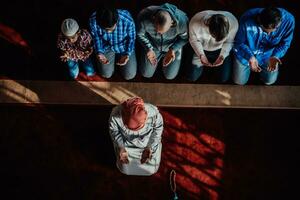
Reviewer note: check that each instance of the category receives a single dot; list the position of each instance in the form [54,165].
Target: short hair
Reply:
[269,17]
[107,17]
[160,18]
[218,26]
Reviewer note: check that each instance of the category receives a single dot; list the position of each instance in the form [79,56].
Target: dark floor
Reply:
[64,152]
[28,31]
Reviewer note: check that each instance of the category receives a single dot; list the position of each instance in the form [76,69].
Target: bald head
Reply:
[162,21]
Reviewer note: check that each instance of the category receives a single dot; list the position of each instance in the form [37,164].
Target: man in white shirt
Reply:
[212,35]
[136,130]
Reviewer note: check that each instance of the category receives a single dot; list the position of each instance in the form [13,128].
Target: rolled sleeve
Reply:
[131,38]
[114,132]
[194,40]
[240,46]
[98,43]
[285,42]
[156,135]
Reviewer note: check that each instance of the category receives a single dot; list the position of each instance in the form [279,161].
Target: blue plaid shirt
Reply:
[251,40]
[121,40]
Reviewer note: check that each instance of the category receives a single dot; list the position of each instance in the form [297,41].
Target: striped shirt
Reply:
[121,40]
[79,50]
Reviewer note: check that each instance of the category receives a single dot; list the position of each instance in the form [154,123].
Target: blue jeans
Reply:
[241,73]
[74,67]
[170,72]
[128,71]
[222,72]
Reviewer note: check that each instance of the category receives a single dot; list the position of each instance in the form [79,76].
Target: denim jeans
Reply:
[241,73]
[222,72]
[74,67]
[128,71]
[170,72]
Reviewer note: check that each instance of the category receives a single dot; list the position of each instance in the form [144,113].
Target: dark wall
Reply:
[39,22]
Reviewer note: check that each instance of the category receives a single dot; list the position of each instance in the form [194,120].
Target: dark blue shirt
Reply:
[251,40]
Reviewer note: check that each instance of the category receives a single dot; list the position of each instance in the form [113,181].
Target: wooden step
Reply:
[160,94]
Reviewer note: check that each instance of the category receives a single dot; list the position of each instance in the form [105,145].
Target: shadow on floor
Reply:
[63,152]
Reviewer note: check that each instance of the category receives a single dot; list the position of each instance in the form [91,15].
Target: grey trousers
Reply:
[128,71]
[170,72]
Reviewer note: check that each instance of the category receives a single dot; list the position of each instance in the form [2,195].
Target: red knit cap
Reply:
[134,114]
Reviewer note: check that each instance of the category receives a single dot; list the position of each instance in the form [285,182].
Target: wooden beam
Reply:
[160,94]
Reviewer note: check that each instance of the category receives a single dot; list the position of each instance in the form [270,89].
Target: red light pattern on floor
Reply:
[11,35]
[196,156]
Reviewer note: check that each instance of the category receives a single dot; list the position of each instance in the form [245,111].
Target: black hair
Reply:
[218,26]
[269,17]
[107,17]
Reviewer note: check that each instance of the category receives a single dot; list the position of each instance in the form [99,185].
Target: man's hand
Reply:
[205,61]
[219,61]
[254,64]
[152,57]
[102,59]
[88,52]
[64,57]
[123,60]
[123,156]
[273,64]
[169,57]
[146,155]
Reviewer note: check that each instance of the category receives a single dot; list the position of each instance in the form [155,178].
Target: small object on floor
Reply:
[173,183]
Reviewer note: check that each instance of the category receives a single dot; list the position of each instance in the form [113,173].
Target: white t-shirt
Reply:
[201,39]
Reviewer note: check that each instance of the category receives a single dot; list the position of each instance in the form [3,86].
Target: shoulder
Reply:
[249,17]
[287,16]
[231,18]
[93,17]
[84,32]
[151,110]
[182,15]
[61,40]
[183,20]
[250,14]
[200,15]
[147,13]
[228,15]
[116,112]
[60,37]
[125,16]
[93,21]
